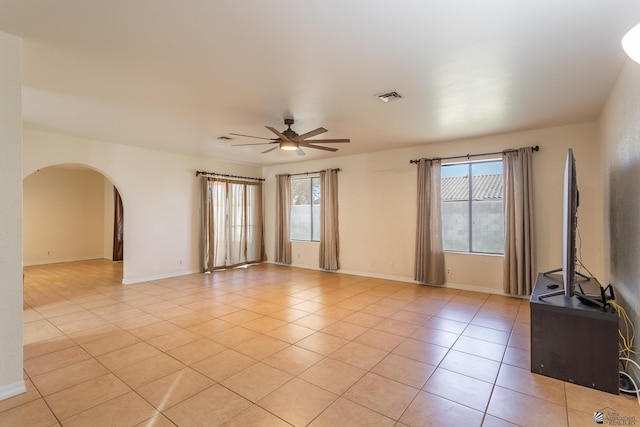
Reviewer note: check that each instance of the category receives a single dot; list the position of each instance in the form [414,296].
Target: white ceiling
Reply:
[176,74]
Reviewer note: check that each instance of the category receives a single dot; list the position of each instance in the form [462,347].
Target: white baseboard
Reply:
[477,289]
[351,272]
[410,280]
[60,260]
[157,277]
[12,390]
[405,279]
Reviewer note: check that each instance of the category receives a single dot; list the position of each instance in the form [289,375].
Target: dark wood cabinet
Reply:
[573,341]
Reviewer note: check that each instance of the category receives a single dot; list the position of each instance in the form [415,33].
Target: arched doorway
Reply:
[69,216]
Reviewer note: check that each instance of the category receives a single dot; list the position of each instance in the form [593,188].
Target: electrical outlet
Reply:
[448,271]
[390,266]
[180,262]
[49,253]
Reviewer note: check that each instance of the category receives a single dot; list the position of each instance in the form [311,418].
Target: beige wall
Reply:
[377,194]
[377,203]
[63,215]
[620,128]
[160,194]
[11,374]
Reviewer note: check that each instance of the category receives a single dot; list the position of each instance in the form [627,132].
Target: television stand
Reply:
[561,291]
[573,341]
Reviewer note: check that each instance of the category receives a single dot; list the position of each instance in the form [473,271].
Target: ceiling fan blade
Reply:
[270,149]
[326,141]
[251,136]
[319,147]
[310,134]
[277,132]
[257,143]
[299,152]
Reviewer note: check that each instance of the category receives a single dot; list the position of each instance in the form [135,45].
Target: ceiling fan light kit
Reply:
[289,145]
[289,140]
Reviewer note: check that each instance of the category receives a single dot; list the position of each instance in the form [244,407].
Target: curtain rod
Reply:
[309,173]
[213,174]
[468,156]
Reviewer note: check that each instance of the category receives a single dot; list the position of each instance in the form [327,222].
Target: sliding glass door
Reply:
[232,222]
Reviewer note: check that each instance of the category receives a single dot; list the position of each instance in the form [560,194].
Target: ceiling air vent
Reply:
[389,96]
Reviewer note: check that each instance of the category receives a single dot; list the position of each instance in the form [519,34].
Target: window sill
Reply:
[474,253]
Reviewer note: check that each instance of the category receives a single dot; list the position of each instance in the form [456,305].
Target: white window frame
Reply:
[470,201]
[310,179]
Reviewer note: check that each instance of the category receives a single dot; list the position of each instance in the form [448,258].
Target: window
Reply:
[305,209]
[472,207]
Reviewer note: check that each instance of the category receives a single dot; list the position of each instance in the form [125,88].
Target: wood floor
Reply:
[276,346]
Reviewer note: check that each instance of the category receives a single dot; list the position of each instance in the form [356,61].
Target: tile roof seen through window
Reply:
[484,187]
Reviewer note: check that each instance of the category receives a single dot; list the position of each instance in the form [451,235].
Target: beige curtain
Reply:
[231,223]
[213,223]
[429,264]
[118,227]
[519,263]
[207,235]
[283,219]
[329,235]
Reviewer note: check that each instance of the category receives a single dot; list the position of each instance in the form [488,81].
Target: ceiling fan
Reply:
[289,140]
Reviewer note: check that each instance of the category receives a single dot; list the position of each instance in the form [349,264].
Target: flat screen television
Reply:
[570,203]
[569,224]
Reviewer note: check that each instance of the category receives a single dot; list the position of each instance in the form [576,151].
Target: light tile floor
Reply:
[276,346]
